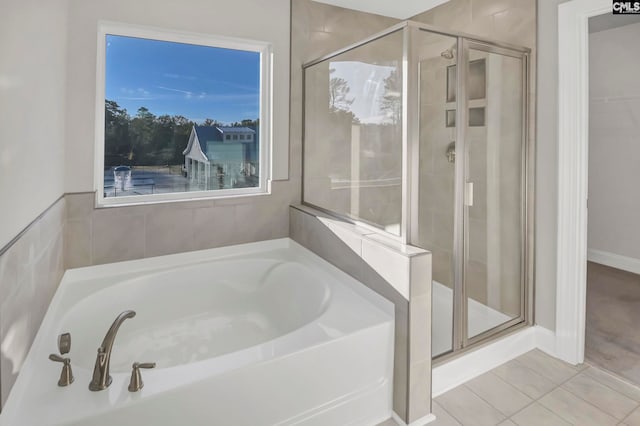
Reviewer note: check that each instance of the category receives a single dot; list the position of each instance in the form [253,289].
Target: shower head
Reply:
[450,53]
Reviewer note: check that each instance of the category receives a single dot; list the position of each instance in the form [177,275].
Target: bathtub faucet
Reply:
[101,378]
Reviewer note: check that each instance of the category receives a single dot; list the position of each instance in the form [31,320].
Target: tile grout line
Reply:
[490,404]
[487,402]
[600,409]
[446,411]
[629,415]
[544,394]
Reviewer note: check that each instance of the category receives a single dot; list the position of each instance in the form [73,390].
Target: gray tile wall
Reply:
[97,236]
[511,21]
[30,271]
[345,247]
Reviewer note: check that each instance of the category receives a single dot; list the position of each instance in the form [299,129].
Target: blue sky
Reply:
[182,79]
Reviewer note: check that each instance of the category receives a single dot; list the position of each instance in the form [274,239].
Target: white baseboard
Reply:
[546,341]
[466,367]
[420,422]
[460,370]
[614,260]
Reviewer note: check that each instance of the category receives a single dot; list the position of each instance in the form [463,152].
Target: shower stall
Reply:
[421,133]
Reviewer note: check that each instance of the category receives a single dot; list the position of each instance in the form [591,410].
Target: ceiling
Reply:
[399,9]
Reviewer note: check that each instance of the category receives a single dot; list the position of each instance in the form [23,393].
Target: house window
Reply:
[166,103]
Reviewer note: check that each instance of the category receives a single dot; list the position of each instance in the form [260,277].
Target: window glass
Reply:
[172,113]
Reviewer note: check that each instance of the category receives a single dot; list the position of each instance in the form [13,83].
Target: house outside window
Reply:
[170,125]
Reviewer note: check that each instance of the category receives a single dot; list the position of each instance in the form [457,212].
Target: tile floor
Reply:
[539,390]
[613,315]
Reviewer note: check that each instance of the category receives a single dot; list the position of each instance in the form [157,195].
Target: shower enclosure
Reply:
[421,133]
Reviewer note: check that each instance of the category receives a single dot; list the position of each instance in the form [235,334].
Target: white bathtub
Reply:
[257,334]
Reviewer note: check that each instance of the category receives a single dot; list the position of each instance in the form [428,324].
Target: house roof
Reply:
[236,130]
[206,134]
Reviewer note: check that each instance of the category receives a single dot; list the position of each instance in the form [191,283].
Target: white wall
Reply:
[33,40]
[614,141]
[267,21]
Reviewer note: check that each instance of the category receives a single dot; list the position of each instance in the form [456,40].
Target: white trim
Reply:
[266,109]
[617,261]
[420,422]
[546,340]
[468,366]
[573,143]
[471,365]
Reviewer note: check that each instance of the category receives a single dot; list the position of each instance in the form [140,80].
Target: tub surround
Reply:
[30,269]
[329,331]
[98,236]
[398,272]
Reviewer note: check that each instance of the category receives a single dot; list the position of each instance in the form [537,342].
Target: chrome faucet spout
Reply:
[101,378]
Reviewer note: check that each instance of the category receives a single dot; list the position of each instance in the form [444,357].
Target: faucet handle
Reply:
[66,376]
[64,343]
[144,365]
[136,383]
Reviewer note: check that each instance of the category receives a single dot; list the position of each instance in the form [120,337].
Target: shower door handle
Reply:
[468,194]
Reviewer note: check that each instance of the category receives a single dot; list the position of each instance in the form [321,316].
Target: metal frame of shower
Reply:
[461,342]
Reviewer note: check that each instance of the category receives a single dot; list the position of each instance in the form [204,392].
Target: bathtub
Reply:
[256,334]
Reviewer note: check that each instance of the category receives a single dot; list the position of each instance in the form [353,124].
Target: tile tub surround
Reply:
[30,271]
[536,389]
[106,235]
[400,273]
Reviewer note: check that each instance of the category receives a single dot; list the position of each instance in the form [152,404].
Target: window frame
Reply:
[265,49]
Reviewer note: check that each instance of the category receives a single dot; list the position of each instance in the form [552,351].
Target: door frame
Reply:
[573,157]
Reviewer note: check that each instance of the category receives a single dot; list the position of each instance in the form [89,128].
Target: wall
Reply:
[260,22]
[33,39]
[614,151]
[493,220]
[318,29]
[547,164]
[512,21]
[33,43]
[97,236]
[30,271]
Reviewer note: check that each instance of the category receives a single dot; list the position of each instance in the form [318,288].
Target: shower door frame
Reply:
[461,342]
[524,201]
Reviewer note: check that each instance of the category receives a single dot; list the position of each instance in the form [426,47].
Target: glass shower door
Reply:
[437,57]
[494,190]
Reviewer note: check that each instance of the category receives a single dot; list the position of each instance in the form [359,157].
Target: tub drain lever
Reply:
[136,378]
[66,376]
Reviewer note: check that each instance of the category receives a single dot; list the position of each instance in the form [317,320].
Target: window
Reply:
[170,107]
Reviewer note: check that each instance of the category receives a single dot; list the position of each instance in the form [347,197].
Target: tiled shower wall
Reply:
[510,21]
[30,270]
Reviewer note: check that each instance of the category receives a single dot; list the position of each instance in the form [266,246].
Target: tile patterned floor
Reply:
[538,390]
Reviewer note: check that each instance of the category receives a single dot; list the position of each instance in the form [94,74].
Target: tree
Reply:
[338,93]
[211,122]
[117,142]
[143,151]
[391,102]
